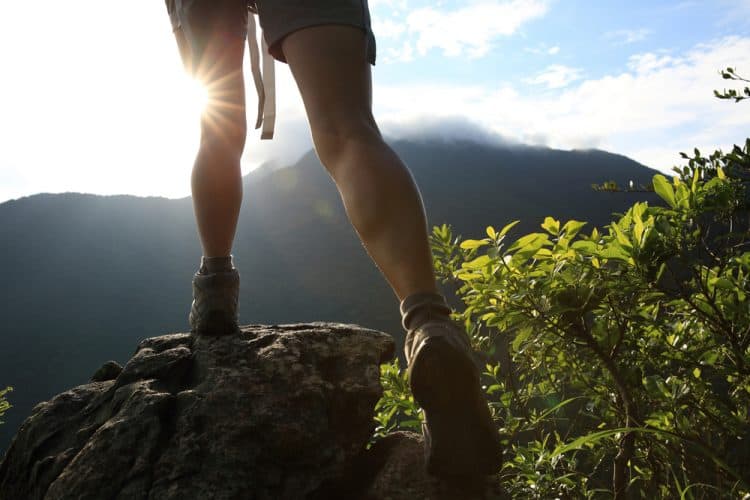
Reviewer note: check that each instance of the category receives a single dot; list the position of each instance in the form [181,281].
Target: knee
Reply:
[336,140]
[224,138]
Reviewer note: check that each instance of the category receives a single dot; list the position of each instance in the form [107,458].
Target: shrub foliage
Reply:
[617,358]
[4,404]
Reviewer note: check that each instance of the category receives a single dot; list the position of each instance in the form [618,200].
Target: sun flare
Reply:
[195,94]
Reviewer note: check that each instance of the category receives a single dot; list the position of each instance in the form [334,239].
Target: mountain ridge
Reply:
[269,167]
[87,275]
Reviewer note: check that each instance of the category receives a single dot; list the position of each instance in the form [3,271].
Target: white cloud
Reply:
[650,112]
[446,128]
[649,62]
[556,76]
[471,30]
[543,49]
[387,28]
[628,36]
[405,53]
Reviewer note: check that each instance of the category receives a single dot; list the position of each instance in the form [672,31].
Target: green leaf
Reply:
[638,210]
[615,251]
[583,441]
[638,231]
[472,244]
[664,189]
[586,246]
[468,276]
[551,225]
[520,338]
[621,236]
[545,413]
[710,357]
[508,227]
[696,178]
[572,227]
[491,232]
[721,283]
[477,263]
[682,196]
[529,241]
[543,253]
[494,388]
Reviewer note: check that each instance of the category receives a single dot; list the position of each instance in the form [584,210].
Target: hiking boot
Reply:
[215,303]
[460,436]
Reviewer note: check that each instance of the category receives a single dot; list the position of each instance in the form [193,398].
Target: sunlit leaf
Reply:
[477,263]
[551,225]
[472,244]
[572,227]
[664,189]
[508,227]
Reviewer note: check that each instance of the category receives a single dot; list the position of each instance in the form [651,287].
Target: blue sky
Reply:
[98,103]
[597,37]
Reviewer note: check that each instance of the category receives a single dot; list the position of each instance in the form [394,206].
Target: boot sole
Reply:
[460,436]
[216,324]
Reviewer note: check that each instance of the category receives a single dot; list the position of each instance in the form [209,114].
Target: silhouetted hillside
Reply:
[87,276]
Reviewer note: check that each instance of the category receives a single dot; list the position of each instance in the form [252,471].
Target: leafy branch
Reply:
[736,94]
[4,404]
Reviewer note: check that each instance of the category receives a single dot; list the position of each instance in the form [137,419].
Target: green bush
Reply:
[618,359]
[4,405]
[396,409]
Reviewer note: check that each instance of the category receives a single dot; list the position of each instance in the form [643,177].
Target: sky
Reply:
[93,97]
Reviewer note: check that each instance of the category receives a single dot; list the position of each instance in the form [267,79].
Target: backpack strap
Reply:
[265,83]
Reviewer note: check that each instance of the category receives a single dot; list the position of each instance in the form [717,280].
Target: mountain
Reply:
[87,276]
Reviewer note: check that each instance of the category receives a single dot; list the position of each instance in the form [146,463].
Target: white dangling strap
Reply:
[265,83]
[269,85]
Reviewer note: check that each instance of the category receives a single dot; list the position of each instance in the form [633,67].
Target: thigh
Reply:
[211,38]
[330,65]
[208,33]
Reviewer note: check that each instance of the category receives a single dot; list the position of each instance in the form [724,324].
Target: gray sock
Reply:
[211,265]
[422,307]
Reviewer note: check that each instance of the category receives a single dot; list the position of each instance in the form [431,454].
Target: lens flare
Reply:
[196,95]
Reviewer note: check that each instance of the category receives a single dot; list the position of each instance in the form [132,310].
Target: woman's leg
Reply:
[217,179]
[383,203]
[379,195]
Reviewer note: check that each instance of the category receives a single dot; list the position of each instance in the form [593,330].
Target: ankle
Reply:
[419,308]
[211,265]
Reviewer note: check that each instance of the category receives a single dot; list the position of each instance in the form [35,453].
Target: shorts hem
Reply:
[274,40]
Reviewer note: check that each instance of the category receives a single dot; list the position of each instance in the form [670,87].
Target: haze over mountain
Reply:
[87,276]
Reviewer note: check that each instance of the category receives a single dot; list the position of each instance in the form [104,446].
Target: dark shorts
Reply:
[195,22]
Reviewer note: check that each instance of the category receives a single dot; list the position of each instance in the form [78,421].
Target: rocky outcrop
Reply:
[276,412]
[393,469]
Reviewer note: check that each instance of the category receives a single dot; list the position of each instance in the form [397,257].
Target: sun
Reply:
[195,95]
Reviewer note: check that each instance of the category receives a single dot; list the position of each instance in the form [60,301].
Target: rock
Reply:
[275,412]
[108,371]
[397,465]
